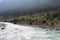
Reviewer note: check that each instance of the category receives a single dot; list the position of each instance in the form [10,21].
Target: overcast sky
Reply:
[8,4]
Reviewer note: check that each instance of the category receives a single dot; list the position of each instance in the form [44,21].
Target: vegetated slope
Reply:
[49,18]
[34,16]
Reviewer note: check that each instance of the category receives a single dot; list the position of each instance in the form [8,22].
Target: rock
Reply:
[57,29]
[2,28]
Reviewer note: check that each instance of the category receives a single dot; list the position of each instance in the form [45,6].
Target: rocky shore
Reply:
[56,27]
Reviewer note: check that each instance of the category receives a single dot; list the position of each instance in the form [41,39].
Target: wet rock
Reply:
[57,29]
[2,28]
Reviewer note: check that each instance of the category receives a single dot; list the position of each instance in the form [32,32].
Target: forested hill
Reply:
[26,11]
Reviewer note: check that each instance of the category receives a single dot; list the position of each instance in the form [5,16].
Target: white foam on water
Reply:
[19,32]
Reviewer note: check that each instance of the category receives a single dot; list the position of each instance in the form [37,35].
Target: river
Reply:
[19,32]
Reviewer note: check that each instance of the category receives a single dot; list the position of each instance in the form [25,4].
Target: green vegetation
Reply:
[49,18]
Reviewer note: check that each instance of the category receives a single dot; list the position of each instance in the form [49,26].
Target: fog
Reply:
[10,4]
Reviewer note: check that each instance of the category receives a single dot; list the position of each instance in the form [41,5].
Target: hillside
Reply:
[49,18]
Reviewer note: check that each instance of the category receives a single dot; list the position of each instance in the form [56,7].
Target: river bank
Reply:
[54,27]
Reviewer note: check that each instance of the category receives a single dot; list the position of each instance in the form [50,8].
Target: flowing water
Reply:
[19,32]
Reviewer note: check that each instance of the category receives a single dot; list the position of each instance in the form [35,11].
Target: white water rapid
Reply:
[18,32]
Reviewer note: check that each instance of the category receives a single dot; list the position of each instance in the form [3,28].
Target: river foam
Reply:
[19,32]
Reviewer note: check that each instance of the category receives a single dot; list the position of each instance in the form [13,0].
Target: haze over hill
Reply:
[16,8]
[10,4]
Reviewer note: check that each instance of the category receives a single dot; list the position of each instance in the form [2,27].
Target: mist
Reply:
[11,4]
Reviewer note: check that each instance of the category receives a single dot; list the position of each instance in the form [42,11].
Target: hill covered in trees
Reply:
[49,16]
[46,18]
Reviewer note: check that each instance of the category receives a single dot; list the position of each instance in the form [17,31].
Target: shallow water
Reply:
[19,32]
